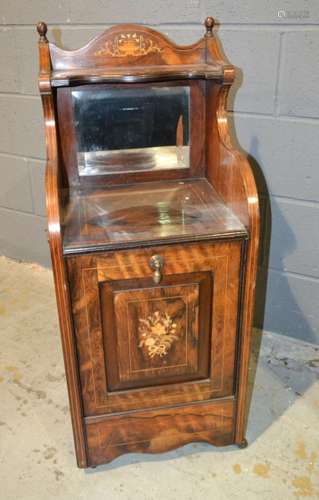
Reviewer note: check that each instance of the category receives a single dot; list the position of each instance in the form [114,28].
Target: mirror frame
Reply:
[68,140]
[132,130]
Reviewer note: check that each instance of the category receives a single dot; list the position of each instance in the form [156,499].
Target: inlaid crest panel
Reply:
[129,44]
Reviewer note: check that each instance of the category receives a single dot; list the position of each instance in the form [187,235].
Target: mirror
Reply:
[121,130]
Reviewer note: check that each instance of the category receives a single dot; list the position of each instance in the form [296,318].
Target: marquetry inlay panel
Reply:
[157,333]
[129,44]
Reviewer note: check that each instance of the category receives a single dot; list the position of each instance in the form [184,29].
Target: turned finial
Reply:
[42,30]
[209,24]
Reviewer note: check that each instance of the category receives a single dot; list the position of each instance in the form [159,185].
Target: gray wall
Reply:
[275,115]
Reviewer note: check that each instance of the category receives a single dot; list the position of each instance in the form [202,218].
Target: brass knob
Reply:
[156,263]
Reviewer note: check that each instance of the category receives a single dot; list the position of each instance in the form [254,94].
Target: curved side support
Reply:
[52,184]
[231,175]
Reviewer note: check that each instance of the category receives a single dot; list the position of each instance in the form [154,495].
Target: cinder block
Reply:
[75,37]
[263,11]
[184,34]
[6,140]
[21,123]
[299,82]
[26,40]
[295,237]
[9,64]
[30,12]
[287,152]
[15,185]
[37,173]
[255,84]
[292,306]
[23,236]
[129,11]
[27,49]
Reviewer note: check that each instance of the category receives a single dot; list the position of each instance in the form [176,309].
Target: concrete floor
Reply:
[36,448]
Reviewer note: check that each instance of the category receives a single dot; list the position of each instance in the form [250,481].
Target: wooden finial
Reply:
[209,24]
[42,30]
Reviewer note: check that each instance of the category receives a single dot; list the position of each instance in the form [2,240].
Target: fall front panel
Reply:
[143,344]
[156,333]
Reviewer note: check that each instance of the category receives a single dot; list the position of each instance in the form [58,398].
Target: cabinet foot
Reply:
[243,444]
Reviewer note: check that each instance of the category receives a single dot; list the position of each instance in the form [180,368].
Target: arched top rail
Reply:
[133,53]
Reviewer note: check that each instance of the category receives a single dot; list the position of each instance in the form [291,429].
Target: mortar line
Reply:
[281,117]
[23,157]
[278,74]
[20,94]
[190,24]
[16,210]
[31,187]
[297,201]
[294,274]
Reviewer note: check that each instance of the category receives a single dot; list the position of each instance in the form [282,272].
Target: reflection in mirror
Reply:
[131,129]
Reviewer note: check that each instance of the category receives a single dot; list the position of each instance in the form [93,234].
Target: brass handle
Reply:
[156,263]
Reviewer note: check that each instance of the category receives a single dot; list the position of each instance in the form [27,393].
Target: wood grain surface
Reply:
[146,214]
[155,431]
[89,274]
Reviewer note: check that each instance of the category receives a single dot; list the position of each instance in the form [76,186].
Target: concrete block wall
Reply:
[274,111]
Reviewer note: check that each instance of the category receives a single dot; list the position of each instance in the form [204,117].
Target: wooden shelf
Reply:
[146,214]
[137,74]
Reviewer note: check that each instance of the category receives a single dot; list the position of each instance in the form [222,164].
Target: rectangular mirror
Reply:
[121,130]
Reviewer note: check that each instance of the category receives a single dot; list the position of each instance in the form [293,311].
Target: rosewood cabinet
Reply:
[153,230]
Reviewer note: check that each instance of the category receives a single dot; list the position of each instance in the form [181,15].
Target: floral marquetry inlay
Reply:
[157,333]
[129,44]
